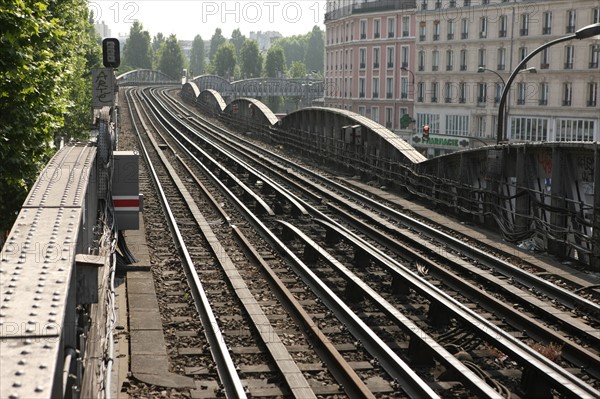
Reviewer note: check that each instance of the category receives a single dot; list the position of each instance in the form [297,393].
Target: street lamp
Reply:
[583,33]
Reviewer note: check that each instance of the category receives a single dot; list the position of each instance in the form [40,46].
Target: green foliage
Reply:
[46,49]
[197,56]
[157,41]
[251,59]
[315,52]
[137,51]
[275,62]
[294,47]
[298,70]
[225,61]
[215,42]
[170,60]
[237,39]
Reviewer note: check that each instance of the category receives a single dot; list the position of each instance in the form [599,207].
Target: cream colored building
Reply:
[466,49]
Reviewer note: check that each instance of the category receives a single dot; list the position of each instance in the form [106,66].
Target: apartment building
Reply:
[369,54]
[465,51]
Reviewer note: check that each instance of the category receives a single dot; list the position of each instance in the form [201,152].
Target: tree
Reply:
[215,41]
[197,56]
[170,59]
[137,53]
[157,41]
[238,40]
[251,59]
[315,58]
[294,47]
[275,62]
[43,56]
[225,60]
[298,69]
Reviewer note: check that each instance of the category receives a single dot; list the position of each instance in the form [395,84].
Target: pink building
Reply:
[370,49]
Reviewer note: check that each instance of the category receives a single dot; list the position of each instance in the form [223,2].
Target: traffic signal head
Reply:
[111,54]
[426,132]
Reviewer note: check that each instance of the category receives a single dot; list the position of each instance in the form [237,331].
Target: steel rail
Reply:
[450,361]
[562,379]
[412,384]
[220,352]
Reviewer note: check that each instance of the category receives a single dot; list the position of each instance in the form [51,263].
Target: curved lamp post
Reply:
[583,33]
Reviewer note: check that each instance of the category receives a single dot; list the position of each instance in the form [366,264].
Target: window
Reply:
[462,92]
[362,110]
[547,23]
[463,60]
[521,93]
[594,55]
[571,21]
[529,129]
[375,114]
[391,27]
[464,23]
[405,26]
[421,60]
[483,27]
[390,57]
[457,125]
[376,57]
[502,26]
[404,88]
[481,94]
[422,31]
[351,87]
[434,92]
[567,94]
[481,57]
[545,58]
[420,91]
[362,87]
[543,92]
[498,95]
[448,92]
[575,129]
[404,55]
[449,60]
[389,88]
[450,29]
[363,57]
[375,87]
[436,30]
[522,55]
[435,60]
[376,28]
[389,117]
[595,15]
[524,24]
[481,126]
[501,59]
[363,29]
[592,94]
[569,51]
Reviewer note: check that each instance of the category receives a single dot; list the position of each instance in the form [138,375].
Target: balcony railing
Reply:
[568,65]
[502,33]
[544,66]
[362,65]
[376,65]
[542,102]
[591,103]
[450,36]
[566,103]
[546,30]
[463,67]
[570,29]
[434,99]
[434,68]
[501,67]
[464,35]
[524,32]
[420,99]
[376,95]
[390,64]
[391,34]
[520,101]
[376,35]
[389,95]
[482,35]
[448,67]
[593,65]
[462,100]
[421,68]
[436,37]
[448,100]
[422,38]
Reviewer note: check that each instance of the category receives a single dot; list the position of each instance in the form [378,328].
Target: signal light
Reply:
[425,132]
[111,54]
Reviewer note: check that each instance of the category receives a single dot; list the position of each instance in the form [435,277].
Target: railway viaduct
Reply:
[53,258]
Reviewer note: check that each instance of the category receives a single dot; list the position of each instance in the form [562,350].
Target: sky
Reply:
[189,18]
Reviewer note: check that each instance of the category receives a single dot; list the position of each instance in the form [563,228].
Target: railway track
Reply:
[383,290]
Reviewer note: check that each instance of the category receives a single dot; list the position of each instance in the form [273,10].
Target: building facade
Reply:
[369,52]
[465,50]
